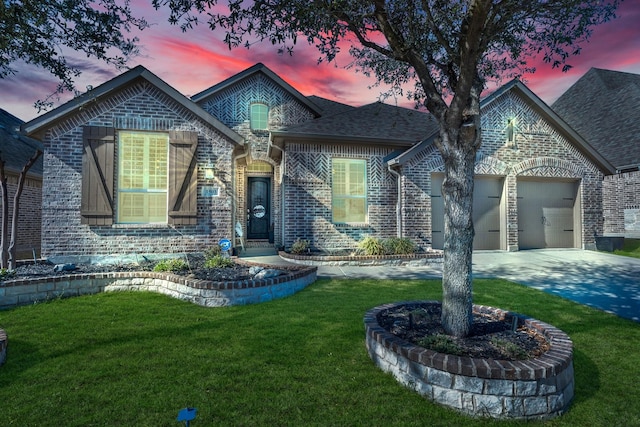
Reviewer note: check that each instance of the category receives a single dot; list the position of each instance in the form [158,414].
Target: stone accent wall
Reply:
[201,292]
[538,388]
[538,151]
[307,187]
[139,106]
[30,214]
[622,204]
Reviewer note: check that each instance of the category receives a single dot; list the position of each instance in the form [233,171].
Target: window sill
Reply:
[141,226]
[352,225]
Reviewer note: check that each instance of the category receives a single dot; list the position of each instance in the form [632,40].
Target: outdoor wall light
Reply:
[209,171]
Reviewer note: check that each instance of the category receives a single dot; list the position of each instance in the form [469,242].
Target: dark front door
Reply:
[259,208]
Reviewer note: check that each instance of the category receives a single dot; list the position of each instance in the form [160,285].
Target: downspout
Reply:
[282,189]
[234,219]
[399,201]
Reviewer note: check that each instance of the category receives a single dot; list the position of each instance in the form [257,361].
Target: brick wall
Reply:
[307,187]
[621,203]
[539,151]
[30,215]
[139,106]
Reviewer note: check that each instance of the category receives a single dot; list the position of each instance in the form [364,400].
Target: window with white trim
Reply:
[259,116]
[349,191]
[142,177]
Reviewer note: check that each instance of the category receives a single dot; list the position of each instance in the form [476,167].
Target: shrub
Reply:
[219,261]
[5,273]
[441,343]
[300,246]
[371,246]
[510,349]
[399,246]
[212,252]
[173,264]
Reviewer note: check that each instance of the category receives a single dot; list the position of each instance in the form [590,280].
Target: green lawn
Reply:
[136,359]
[631,248]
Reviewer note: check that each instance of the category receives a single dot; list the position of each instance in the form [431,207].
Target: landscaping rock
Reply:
[268,273]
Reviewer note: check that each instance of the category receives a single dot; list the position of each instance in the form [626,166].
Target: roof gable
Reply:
[39,125]
[259,68]
[533,101]
[603,106]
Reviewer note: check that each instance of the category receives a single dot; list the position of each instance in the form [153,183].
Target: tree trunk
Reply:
[4,225]
[16,208]
[458,148]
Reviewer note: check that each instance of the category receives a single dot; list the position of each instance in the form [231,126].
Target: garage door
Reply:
[487,197]
[546,214]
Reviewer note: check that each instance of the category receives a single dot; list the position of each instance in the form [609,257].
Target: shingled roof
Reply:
[15,148]
[373,123]
[603,106]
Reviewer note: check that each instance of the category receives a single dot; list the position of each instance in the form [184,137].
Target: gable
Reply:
[230,100]
[115,92]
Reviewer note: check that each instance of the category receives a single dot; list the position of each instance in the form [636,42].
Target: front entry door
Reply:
[259,207]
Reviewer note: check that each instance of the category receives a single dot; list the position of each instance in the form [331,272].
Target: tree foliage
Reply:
[41,32]
[448,50]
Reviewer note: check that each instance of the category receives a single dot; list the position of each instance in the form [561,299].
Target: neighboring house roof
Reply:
[538,105]
[16,149]
[258,68]
[376,123]
[38,126]
[604,107]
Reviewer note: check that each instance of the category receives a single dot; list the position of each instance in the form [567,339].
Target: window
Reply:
[259,116]
[349,188]
[142,177]
[154,171]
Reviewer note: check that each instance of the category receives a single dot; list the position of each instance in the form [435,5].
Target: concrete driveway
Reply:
[607,282]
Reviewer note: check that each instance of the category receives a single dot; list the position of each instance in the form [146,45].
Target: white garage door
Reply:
[546,214]
[487,198]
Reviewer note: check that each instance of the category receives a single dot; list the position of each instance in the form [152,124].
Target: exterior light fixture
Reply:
[209,171]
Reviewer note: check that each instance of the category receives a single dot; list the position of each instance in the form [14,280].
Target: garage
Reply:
[487,212]
[548,214]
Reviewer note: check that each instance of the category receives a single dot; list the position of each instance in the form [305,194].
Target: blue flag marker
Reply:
[187,415]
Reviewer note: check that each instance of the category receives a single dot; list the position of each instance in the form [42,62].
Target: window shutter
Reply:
[97,175]
[183,183]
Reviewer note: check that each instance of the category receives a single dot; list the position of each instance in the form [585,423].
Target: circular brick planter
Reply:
[3,346]
[539,388]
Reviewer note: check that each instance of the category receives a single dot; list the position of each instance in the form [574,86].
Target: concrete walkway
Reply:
[604,281]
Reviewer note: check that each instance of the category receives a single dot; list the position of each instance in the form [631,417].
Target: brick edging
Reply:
[538,388]
[202,292]
[3,346]
[360,259]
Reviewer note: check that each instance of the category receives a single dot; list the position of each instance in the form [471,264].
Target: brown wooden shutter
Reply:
[97,175]
[183,182]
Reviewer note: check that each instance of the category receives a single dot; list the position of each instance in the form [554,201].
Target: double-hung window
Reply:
[142,177]
[349,191]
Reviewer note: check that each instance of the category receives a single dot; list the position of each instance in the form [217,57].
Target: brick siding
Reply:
[539,151]
[139,106]
[621,195]
[30,214]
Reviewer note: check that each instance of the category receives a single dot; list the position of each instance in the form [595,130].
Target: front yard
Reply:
[136,359]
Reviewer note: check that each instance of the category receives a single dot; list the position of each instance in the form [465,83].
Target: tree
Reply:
[449,48]
[39,32]
[8,248]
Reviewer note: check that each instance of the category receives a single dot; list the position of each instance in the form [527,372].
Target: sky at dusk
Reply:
[198,59]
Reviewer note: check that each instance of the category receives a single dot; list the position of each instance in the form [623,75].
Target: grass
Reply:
[136,359]
[631,248]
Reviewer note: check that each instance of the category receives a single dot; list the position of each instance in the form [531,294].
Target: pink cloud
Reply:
[198,59]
